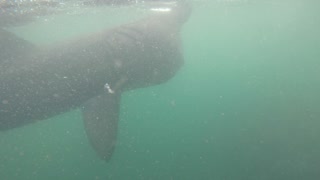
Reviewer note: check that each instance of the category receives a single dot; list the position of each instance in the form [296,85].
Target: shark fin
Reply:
[100,115]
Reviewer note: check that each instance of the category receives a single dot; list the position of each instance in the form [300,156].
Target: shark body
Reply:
[89,72]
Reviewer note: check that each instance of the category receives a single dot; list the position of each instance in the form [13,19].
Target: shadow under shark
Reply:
[89,72]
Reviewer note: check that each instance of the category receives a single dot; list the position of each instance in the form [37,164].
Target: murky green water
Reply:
[245,106]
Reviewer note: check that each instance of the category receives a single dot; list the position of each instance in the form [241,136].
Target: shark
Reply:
[89,72]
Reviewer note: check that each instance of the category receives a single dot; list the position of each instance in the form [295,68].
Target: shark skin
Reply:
[88,72]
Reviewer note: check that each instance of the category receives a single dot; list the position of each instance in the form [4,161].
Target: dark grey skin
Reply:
[89,72]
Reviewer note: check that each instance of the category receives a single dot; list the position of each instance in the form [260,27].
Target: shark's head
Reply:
[158,53]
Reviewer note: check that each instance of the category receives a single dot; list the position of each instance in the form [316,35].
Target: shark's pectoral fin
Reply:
[100,115]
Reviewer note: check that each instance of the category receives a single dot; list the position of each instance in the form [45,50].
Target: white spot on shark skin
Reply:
[107,86]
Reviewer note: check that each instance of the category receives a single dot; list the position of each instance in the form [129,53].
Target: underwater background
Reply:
[245,105]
